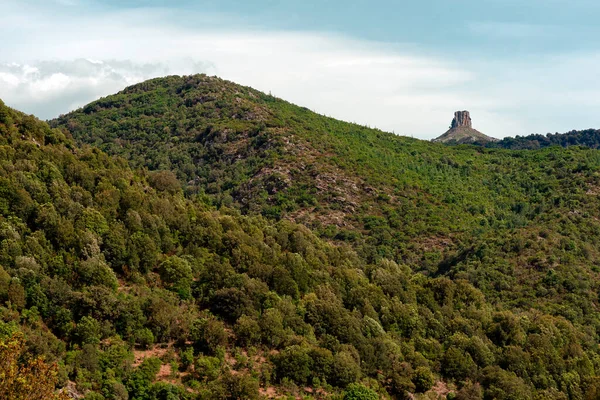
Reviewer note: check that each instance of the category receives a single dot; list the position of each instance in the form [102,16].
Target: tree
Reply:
[345,370]
[88,330]
[164,181]
[458,364]
[294,363]
[176,273]
[247,331]
[240,386]
[207,368]
[144,338]
[32,379]
[423,379]
[356,391]
[208,335]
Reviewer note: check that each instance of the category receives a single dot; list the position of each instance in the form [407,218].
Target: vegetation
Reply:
[28,379]
[586,138]
[202,240]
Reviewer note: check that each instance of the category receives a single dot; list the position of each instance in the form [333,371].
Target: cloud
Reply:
[346,78]
[61,62]
[49,88]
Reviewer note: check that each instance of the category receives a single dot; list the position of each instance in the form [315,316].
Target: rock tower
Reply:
[461,131]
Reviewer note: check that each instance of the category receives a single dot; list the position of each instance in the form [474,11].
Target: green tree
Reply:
[345,369]
[88,330]
[356,391]
[294,363]
[176,273]
[423,379]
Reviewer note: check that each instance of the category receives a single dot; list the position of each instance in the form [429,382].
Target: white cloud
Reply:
[48,88]
[345,78]
[63,62]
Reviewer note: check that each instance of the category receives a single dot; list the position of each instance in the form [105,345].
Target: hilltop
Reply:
[427,205]
[190,238]
[461,132]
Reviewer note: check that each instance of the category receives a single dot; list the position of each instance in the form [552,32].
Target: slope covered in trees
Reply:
[294,251]
[587,138]
[521,226]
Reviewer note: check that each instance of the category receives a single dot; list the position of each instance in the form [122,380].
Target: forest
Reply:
[586,138]
[190,238]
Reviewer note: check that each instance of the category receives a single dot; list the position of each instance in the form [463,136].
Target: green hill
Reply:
[587,138]
[295,255]
[440,210]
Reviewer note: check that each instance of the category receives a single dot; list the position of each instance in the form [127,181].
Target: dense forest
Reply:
[189,238]
[587,138]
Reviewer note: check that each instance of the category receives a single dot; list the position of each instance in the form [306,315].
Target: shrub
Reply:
[356,391]
[345,369]
[423,379]
[88,331]
[176,273]
[207,368]
[144,338]
[247,331]
[294,363]
[33,379]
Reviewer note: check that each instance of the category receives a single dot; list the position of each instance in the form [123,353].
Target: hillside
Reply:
[587,138]
[137,292]
[440,210]
[296,254]
[464,135]
[461,132]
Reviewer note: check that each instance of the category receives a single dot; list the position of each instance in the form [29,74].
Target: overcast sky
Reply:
[519,66]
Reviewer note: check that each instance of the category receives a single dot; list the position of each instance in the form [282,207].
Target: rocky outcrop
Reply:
[461,118]
[462,132]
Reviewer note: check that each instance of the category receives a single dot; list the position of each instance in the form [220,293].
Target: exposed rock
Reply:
[461,118]
[462,132]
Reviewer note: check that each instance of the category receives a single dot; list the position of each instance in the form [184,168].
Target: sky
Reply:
[519,67]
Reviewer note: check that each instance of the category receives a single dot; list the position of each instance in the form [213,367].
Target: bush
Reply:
[207,368]
[187,358]
[94,396]
[208,335]
[88,331]
[164,181]
[356,391]
[176,273]
[240,386]
[294,363]
[345,369]
[423,379]
[503,385]
[144,338]
[32,380]
[247,331]
[458,364]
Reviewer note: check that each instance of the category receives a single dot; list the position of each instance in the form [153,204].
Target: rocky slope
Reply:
[461,132]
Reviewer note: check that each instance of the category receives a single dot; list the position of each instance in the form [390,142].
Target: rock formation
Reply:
[461,118]
[462,132]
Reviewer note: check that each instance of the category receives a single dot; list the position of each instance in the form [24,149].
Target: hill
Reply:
[425,205]
[461,132]
[136,291]
[587,138]
[300,251]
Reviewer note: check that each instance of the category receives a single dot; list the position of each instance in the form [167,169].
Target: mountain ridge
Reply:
[350,184]
[305,252]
